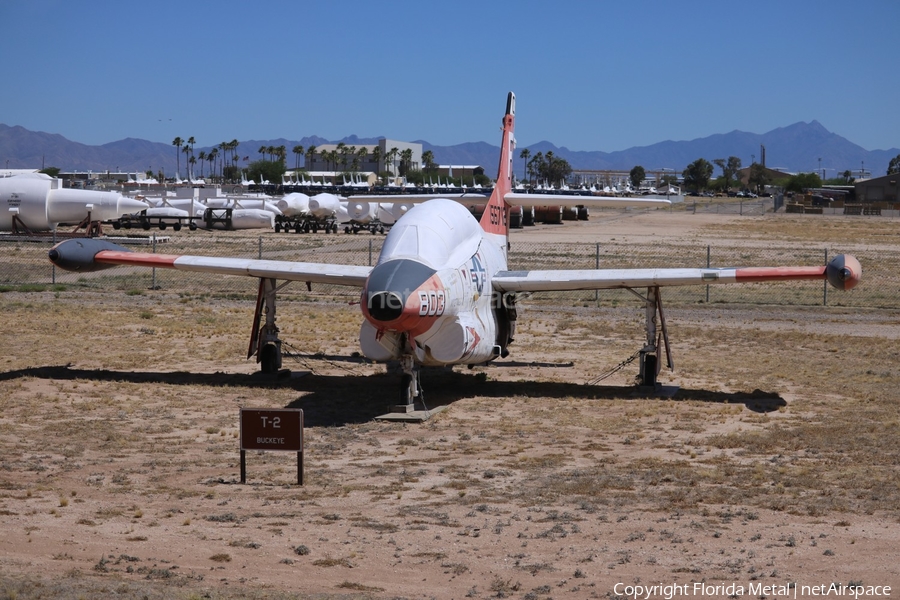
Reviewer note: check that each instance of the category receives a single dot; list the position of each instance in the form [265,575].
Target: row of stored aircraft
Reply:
[37,202]
[441,292]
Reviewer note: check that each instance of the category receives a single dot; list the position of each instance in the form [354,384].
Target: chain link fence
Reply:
[24,266]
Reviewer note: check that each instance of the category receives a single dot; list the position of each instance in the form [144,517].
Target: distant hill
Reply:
[796,147]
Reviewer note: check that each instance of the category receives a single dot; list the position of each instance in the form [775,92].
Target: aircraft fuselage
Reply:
[430,293]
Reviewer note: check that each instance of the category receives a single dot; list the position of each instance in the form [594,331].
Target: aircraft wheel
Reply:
[315,228]
[334,228]
[162,225]
[177,226]
[127,225]
[192,226]
[145,225]
[269,360]
[405,391]
[277,227]
[649,375]
[346,229]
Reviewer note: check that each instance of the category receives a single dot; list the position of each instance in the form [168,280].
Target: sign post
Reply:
[276,430]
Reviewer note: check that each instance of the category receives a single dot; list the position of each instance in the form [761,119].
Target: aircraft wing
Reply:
[589,201]
[842,272]
[92,255]
[568,200]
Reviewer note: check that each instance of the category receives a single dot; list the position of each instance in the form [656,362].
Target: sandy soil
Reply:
[773,464]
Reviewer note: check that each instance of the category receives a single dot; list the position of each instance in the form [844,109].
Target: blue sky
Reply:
[588,75]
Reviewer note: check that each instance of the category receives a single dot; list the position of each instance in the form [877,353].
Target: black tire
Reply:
[649,370]
[176,227]
[268,360]
[405,381]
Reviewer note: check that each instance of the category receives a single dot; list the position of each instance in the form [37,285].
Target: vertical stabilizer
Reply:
[496,214]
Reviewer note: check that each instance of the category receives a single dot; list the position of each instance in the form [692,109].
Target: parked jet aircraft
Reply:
[38,202]
[441,292]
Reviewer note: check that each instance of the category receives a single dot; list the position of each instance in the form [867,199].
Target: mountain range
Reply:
[797,147]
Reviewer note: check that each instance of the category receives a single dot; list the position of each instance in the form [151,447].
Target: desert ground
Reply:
[774,467]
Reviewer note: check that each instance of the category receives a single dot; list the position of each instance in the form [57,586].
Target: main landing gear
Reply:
[410,386]
[264,341]
[656,334]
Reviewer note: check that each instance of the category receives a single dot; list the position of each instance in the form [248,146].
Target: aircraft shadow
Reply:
[334,400]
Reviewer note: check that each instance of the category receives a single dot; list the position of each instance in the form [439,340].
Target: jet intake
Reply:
[385,306]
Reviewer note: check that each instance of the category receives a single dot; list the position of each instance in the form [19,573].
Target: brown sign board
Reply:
[279,429]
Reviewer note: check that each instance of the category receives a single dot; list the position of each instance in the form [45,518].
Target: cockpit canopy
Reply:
[440,233]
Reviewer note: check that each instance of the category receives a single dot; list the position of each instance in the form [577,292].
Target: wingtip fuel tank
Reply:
[78,254]
[843,272]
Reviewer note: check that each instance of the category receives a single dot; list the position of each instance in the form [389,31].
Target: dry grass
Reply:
[118,451]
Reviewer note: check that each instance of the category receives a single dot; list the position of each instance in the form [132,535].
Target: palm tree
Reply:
[333,155]
[297,150]
[428,160]
[524,154]
[376,158]
[177,143]
[310,155]
[201,157]
[406,160]
[392,159]
[262,150]
[186,149]
[211,157]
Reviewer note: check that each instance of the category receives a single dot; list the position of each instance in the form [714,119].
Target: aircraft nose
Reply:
[385,306]
[389,287]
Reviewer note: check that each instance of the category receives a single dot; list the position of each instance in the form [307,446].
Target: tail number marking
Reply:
[431,303]
[498,214]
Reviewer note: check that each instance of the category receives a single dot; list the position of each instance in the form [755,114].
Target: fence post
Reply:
[707,266]
[825,284]
[597,266]
[153,283]
[370,252]
[260,247]
[52,265]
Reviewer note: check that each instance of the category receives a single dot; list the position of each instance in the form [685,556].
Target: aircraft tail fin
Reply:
[496,214]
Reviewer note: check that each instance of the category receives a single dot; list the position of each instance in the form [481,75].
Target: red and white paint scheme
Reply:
[441,292]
